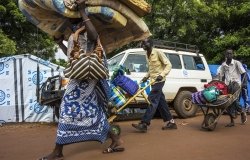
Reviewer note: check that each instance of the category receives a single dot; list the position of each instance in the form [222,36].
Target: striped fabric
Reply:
[86,67]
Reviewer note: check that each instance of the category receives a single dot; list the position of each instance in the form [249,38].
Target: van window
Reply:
[193,63]
[136,63]
[113,62]
[175,60]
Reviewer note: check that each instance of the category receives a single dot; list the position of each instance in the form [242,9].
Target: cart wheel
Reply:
[210,123]
[115,129]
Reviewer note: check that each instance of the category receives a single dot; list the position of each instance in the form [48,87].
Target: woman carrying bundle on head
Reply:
[82,111]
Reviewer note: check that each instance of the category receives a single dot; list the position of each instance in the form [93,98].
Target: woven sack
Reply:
[117,98]
[198,98]
[86,65]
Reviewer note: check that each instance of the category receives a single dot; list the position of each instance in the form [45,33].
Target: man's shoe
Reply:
[243,117]
[169,126]
[140,126]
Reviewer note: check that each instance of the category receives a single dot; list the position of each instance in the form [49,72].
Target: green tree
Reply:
[213,25]
[19,36]
[60,62]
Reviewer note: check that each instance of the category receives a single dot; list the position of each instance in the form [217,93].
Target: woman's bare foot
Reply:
[115,144]
[55,155]
[115,147]
[52,156]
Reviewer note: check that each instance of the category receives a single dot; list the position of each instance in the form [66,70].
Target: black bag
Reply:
[86,65]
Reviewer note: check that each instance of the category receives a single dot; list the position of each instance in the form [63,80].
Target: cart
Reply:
[139,94]
[213,111]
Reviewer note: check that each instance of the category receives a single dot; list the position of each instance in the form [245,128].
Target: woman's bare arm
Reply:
[91,31]
[59,41]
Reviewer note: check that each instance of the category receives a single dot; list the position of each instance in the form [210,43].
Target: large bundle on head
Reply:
[118,22]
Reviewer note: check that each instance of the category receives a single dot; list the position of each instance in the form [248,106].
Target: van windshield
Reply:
[114,62]
[136,63]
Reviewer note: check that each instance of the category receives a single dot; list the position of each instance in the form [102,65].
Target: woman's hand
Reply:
[91,31]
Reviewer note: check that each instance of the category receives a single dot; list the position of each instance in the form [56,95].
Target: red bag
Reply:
[219,85]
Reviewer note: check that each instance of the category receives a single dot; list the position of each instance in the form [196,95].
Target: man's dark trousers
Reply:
[157,100]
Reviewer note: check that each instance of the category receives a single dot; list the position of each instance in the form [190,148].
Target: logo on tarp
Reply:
[2,96]
[33,77]
[37,107]
[3,67]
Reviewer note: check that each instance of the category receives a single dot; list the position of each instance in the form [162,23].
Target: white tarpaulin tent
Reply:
[18,81]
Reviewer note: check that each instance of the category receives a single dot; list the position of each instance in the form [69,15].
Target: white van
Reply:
[189,74]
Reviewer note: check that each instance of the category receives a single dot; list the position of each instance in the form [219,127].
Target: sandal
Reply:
[112,150]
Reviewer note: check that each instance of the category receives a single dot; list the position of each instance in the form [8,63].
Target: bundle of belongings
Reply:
[211,92]
[121,87]
[118,22]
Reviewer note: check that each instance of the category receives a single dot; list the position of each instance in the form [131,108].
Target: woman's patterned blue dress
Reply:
[82,114]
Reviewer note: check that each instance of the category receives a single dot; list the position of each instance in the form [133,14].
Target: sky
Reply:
[59,54]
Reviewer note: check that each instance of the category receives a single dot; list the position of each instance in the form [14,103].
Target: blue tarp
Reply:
[213,69]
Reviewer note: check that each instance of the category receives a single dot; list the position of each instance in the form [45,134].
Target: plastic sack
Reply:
[211,93]
[127,84]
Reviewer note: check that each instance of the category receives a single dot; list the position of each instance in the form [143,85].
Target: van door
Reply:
[196,71]
[174,78]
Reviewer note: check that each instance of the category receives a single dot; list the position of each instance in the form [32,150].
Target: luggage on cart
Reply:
[127,84]
[219,85]
[212,111]
[211,94]
[117,98]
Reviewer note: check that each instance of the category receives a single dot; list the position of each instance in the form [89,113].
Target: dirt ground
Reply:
[189,142]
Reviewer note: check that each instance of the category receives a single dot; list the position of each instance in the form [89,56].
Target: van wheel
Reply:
[183,105]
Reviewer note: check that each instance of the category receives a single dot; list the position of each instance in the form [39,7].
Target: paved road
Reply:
[189,142]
